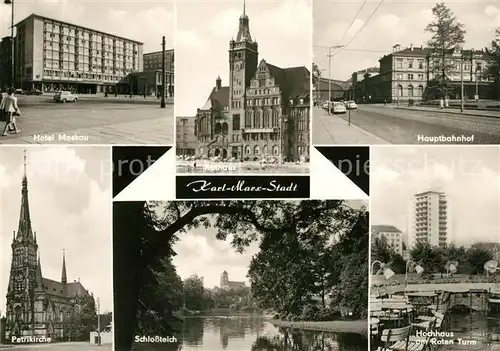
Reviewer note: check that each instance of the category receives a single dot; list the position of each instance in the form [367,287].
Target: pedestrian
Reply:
[397,100]
[11,111]
[446,101]
[2,102]
[385,102]
[441,103]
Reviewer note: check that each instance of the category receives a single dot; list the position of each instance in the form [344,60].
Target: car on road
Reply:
[325,105]
[338,107]
[19,92]
[351,105]
[65,96]
[34,92]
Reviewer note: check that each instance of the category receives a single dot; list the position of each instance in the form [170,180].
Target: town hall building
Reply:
[264,112]
[37,306]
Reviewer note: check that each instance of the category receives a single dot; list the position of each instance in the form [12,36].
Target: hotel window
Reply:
[420,64]
[420,76]
[410,76]
[399,63]
[410,63]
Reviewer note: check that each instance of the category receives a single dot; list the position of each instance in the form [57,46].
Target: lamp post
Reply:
[13,72]
[330,48]
[373,264]
[283,121]
[163,69]
[478,71]
[98,323]
[461,81]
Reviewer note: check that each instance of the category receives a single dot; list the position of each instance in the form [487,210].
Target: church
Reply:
[263,113]
[226,284]
[37,306]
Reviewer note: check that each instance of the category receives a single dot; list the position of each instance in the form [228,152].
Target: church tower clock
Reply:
[22,281]
[243,60]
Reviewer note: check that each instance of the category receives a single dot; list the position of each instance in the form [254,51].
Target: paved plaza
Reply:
[379,124]
[207,167]
[93,120]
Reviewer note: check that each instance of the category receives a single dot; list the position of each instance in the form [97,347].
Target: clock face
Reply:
[237,66]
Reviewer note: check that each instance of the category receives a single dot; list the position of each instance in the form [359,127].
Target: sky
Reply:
[395,22]
[204,29]
[69,193]
[469,175]
[144,21]
[200,253]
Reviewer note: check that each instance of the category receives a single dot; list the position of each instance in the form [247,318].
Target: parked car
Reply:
[19,92]
[338,107]
[351,105]
[65,96]
[326,104]
[35,92]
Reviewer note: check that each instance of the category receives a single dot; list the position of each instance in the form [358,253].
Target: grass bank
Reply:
[354,327]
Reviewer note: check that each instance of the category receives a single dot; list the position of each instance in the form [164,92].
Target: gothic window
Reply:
[236,122]
[256,150]
[410,90]
[18,313]
[267,119]
[264,149]
[248,119]
[276,116]
[275,150]
[218,128]
[247,150]
[257,119]
[224,128]
[262,83]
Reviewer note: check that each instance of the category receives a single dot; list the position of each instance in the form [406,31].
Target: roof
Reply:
[294,81]
[335,84]
[218,99]
[34,15]
[68,290]
[430,192]
[384,229]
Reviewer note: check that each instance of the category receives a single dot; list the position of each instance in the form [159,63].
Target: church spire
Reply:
[64,279]
[244,28]
[39,277]
[24,230]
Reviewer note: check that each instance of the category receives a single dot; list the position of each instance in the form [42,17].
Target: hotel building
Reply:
[54,55]
[430,219]
[153,63]
[392,236]
[264,112]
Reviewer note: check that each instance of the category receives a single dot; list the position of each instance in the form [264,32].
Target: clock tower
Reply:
[22,281]
[243,60]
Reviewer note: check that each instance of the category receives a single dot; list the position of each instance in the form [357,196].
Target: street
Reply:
[379,124]
[93,120]
[63,346]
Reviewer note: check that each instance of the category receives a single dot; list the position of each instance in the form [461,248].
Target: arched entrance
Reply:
[216,152]
[224,153]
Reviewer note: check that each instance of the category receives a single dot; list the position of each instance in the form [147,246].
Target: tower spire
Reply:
[24,230]
[244,27]
[39,279]
[64,279]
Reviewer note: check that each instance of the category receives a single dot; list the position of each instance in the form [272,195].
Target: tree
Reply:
[144,234]
[381,251]
[447,35]
[194,293]
[316,73]
[493,69]
[425,256]
[476,258]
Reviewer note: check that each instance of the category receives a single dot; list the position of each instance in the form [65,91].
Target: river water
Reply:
[255,333]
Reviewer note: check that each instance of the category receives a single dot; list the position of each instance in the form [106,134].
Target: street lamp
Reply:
[98,323]
[418,268]
[373,264]
[283,120]
[330,48]
[163,69]
[11,2]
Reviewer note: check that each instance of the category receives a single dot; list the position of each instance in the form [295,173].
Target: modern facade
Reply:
[392,235]
[54,55]
[186,142]
[226,284]
[405,73]
[264,112]
[37,306]
[430,219]
[153,63]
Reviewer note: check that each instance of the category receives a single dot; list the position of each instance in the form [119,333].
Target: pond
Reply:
[254,333]
[480,328]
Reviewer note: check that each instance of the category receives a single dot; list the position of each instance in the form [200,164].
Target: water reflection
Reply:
[475,326]
[253,332]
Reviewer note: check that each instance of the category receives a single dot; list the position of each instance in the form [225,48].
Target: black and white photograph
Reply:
[435,248]
[56,248]
[87,72]
[241,275]
[243,104]
[406,72]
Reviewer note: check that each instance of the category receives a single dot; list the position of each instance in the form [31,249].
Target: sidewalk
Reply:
[333,129]
[456,111]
